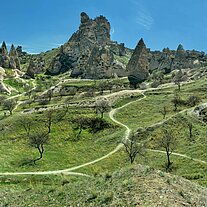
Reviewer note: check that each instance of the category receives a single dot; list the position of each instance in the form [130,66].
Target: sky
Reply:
[40,25]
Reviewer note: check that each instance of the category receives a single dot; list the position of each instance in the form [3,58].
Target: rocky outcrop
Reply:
[88,53]
[5,60]
[138,66]
[169,60]
[3,88]
[14,59]
[9,60]
[30,70]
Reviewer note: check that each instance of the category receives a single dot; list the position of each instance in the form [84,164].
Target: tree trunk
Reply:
[131,159]
[175,105]
[168,161]
[41,151]
[178,86]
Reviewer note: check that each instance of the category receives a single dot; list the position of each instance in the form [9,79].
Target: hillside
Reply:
[131,186]
[99,154]
[93,123]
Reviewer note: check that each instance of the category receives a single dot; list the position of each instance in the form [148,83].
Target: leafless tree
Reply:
[4,128]
[9,104]
[80,122]
[102,105]
[26,123]
[109,85]
[49,119]
[190,129]
[193,100]
[135,145]
[102,86]
[176,100]
[168,142]
[164,111]
[179,77]
[38,140]
[2,99]
[49,94]
[72,91]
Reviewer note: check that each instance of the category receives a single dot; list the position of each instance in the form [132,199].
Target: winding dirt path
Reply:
[178,154]
[68,171]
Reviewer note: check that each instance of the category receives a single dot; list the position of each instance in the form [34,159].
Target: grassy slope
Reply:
[93,146]
[148,114]
[131,186]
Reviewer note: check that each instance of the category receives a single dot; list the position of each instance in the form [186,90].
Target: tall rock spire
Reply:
[87,53]
[4,62]
[137,67]
[14,59]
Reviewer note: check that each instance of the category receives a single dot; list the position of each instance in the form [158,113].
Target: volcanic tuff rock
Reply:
[4,62]
[169,60]
[9,60]
[138,65]
[14,59]
[89,53]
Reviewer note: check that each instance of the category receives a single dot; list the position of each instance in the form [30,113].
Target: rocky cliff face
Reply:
[138,66]
[9,60]
[89,53]
[169,60]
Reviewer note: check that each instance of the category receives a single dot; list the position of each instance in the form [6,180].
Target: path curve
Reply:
[68,170]
[178,154]
[119,146]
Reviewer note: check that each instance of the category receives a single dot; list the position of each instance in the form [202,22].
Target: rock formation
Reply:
[9,60]
[5,60]
[138,66]
[30,70]
[14,59]
[3,88]
[169,60]
[88,52]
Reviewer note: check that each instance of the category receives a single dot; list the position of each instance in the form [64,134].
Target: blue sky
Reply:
[39,25]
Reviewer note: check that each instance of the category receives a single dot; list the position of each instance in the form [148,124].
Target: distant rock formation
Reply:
[9,60]
[14,59]
[3,88]
[169,60]
[138,66]
[30,73]
[89,53]
[5,60]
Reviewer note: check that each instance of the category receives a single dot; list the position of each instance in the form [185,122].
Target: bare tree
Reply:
[26,123]
[2,99]
[190,129]
[164,111]
[4,128]
[176,100]
[193,100]
[102,105]
[80,122]
[179,77]
[134,145]
[49,94]
[110,85]
[9,104]
[168,142]
[49,119]
[72,91]
[102,86]
[38,140]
